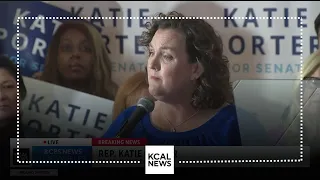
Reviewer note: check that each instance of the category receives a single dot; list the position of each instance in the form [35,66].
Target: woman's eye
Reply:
[66,48]
[167,57]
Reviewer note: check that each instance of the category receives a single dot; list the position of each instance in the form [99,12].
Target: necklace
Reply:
[174,127]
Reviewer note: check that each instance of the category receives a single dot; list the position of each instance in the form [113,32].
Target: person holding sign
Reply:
[188,75]
[8,103]
[130,92]
[8,97]
[77,59]
[8,107]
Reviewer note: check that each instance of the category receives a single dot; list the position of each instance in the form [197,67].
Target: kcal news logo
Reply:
[159,159]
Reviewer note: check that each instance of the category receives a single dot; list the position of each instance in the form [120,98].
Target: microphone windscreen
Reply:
[146,103]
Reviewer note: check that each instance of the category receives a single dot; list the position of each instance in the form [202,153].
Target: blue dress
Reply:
[221,130]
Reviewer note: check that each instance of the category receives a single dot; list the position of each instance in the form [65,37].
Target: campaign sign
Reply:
[64,112]
[34,34]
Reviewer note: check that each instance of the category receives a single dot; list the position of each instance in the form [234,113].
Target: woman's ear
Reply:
[197,70]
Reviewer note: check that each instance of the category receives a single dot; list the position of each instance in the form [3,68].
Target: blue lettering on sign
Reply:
[128,67]
[34,34]
[251,19]
[278,68]
[271,45]
[54,109]
[231,43]
[119,39]
[238,45]
[137,46]
[267,68]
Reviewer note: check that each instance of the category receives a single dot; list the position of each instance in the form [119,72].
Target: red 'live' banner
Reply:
[118,142]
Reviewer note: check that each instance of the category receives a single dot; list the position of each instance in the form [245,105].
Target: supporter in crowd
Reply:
[8,98]
[188,76]
[130,92]
[8,103]
[8,107]
[311,111]
[77,59]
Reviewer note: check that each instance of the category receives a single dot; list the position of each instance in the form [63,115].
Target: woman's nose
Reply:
[76,54]
[154,63]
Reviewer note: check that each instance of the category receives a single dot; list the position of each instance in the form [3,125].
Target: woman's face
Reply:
[8,96]
[169,71]
[75,56]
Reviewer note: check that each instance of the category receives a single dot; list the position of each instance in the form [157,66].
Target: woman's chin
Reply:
[156,94]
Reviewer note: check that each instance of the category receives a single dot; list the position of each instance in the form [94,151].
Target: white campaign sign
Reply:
[257,48]
[65,112]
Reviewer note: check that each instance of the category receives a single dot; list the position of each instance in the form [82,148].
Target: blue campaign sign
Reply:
[61,153]
[34,34]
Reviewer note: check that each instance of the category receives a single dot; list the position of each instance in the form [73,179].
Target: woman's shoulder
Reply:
[223,116]
[224,126]
[227,110]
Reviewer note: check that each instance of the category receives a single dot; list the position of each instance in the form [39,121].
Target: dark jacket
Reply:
[7,132]
[10,131]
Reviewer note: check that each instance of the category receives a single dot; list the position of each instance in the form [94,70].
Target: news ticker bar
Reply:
[125,155]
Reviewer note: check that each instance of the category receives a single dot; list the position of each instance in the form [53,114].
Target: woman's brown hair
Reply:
[129,93]
[204,46]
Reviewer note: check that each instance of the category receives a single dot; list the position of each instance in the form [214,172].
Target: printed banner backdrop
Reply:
[34,34]
[73,115]
[257,48]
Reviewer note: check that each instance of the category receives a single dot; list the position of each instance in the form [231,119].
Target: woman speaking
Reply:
[189,77]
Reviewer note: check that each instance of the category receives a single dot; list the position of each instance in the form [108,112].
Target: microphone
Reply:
[144,106]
